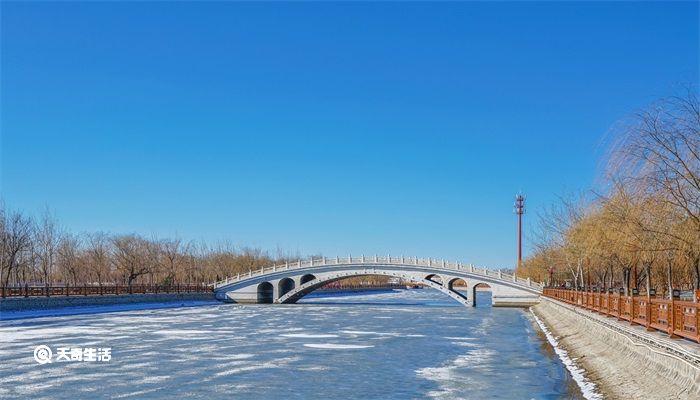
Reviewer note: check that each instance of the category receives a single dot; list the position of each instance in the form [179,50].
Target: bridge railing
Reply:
[380,260]
[673,317]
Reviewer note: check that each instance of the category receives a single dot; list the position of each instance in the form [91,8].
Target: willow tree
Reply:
[647,218]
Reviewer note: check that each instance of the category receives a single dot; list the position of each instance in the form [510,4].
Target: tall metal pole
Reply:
[520,210]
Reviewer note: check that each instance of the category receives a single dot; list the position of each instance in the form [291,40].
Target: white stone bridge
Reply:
[288,283]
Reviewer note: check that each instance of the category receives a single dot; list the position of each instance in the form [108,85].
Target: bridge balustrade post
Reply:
[500,274]
[529,283]
[471,267]
[299,263]
[362,259]
[402,262]
[375,259]
[238,276]
[415,260]
[323,260]
[430,262]
[312,261]
[274,268]
[443,263]
[337,260]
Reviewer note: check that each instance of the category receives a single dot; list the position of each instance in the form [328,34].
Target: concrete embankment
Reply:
[57,302]
[624,361]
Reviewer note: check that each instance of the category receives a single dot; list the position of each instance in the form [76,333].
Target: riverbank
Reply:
[58,302]
[622,361]
[35,307]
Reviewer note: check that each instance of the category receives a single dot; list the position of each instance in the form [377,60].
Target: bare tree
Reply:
[69,259]
[46,240]
[98,255]
[131,257]
[172,258]
[15,240]
[645,227]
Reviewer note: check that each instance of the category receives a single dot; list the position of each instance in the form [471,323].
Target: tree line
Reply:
[641,228]
[37,251]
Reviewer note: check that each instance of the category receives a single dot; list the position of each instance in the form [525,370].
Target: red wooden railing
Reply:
[86,290]
[673,317]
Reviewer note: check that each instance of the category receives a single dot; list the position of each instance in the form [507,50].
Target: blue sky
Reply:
[329,128]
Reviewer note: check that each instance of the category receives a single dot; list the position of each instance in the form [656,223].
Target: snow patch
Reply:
[308,335]
[349,332]
[588,388]
[334,346]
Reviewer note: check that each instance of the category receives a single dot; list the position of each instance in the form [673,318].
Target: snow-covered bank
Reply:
[29,307]
[56,312]
[620,366]
[13,309]
[588,388]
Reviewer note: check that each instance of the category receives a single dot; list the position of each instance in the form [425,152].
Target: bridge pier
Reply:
[504,296]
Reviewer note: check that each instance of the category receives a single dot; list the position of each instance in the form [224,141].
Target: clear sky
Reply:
[329,128]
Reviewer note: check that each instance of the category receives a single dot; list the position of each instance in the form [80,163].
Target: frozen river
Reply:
[391,345]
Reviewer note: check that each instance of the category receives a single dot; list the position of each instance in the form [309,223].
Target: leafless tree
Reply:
[15,240]
[98,255]
[131,257]
[69,259]
[172,258]
[46,240]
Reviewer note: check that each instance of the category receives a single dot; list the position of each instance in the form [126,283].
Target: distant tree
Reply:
[172,255]
[98,255]
[15,240]
[46,241]
[131,257]
[69,259]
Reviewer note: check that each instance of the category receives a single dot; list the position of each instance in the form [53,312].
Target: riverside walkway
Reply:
[673,317]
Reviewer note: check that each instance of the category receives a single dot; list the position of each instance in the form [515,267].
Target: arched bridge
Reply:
[290,282]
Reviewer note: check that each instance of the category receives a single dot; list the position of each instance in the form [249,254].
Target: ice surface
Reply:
[424,344]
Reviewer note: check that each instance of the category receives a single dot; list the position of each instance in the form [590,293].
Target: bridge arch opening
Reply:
[482,295]
[285,286]
[434,278]
[306,278]
[459,286]
[265,292]
[457,283]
